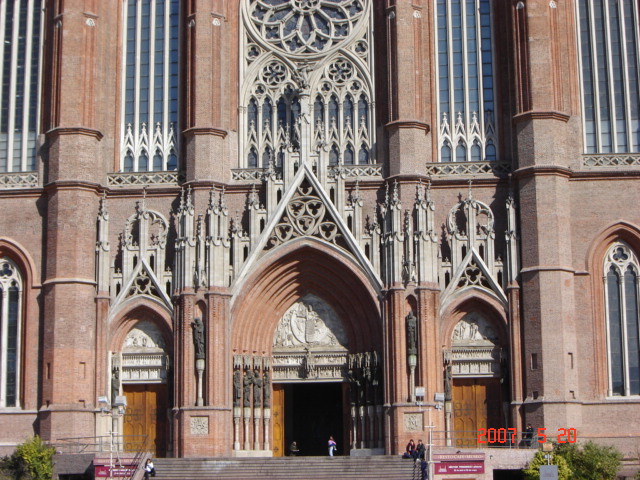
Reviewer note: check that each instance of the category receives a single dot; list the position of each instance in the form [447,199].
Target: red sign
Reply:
[459,467]
[124,471]
[458,457]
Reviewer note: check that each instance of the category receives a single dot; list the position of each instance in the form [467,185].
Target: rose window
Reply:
[305,26]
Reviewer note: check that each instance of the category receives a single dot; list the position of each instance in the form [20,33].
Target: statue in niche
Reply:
[237,388]
[412,335]
[198,338]
[266,383]
[353,385]
[246,386]
[447,384]
[309,363]
[257,389]
[115,383]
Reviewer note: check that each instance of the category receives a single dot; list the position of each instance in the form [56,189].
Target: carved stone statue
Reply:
[237,388]
[248,381]
[267,389]
[412,335]
[198,338]
[257,389]
[301,76]
[115,383]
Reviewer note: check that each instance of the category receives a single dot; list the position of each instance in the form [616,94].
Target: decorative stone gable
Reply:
[471,262]
[139,267]
[306,215]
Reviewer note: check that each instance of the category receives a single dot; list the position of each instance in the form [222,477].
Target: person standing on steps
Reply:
[332,446]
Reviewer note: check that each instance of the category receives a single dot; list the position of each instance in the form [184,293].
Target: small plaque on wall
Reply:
[199,425]
[413,422]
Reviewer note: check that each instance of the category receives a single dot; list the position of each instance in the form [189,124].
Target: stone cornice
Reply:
[216,132]
[88,132]
[540,170]
[541,115]
[408,123]
[73,184]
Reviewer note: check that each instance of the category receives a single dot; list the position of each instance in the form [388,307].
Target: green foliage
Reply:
[591,461]
[532,472]
[32,460]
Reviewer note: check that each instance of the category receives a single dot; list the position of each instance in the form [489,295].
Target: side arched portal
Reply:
[476,376]
[140,372]
[306,326]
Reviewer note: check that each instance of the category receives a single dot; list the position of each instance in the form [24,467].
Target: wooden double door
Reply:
[477,404]
[146,415]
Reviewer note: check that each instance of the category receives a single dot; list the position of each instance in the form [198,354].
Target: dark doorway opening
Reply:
[313,411]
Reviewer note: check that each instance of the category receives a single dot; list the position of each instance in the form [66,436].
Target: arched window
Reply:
[609,50]
[10,332]
[465,79]
[150,84]
[312,61]
[20,85]
[621,270]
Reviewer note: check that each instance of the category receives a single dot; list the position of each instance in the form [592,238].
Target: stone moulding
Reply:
[348,171]
[494,169]
[316,365]
[18,180]
[613,160]
[125,179]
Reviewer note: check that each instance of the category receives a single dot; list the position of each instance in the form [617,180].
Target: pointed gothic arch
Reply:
[289,273]
[629,234]
[27,326]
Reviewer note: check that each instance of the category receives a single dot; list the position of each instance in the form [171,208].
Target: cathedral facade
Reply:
[267,221]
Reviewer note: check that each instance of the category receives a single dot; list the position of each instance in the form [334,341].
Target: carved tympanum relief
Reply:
[473,329]
[144,336]
[310,323]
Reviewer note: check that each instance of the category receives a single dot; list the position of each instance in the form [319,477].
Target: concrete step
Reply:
[287,468]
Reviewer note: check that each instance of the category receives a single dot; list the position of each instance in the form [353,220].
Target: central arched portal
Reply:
[309,365]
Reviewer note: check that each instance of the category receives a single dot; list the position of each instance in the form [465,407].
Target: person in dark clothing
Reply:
[410,450]
[419,452]
[528,435]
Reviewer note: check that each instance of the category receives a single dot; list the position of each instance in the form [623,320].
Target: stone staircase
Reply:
[287,468]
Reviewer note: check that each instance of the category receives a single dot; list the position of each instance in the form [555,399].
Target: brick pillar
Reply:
[74,162]
[408,49]
[548,142]
[211,95]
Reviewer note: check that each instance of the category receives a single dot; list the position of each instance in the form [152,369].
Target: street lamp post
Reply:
[114,411]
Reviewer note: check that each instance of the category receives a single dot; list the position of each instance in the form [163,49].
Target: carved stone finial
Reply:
[212,193]
[252,197]
[223,205]
[189,202]
[395,198]
[102,211]
[182,200]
